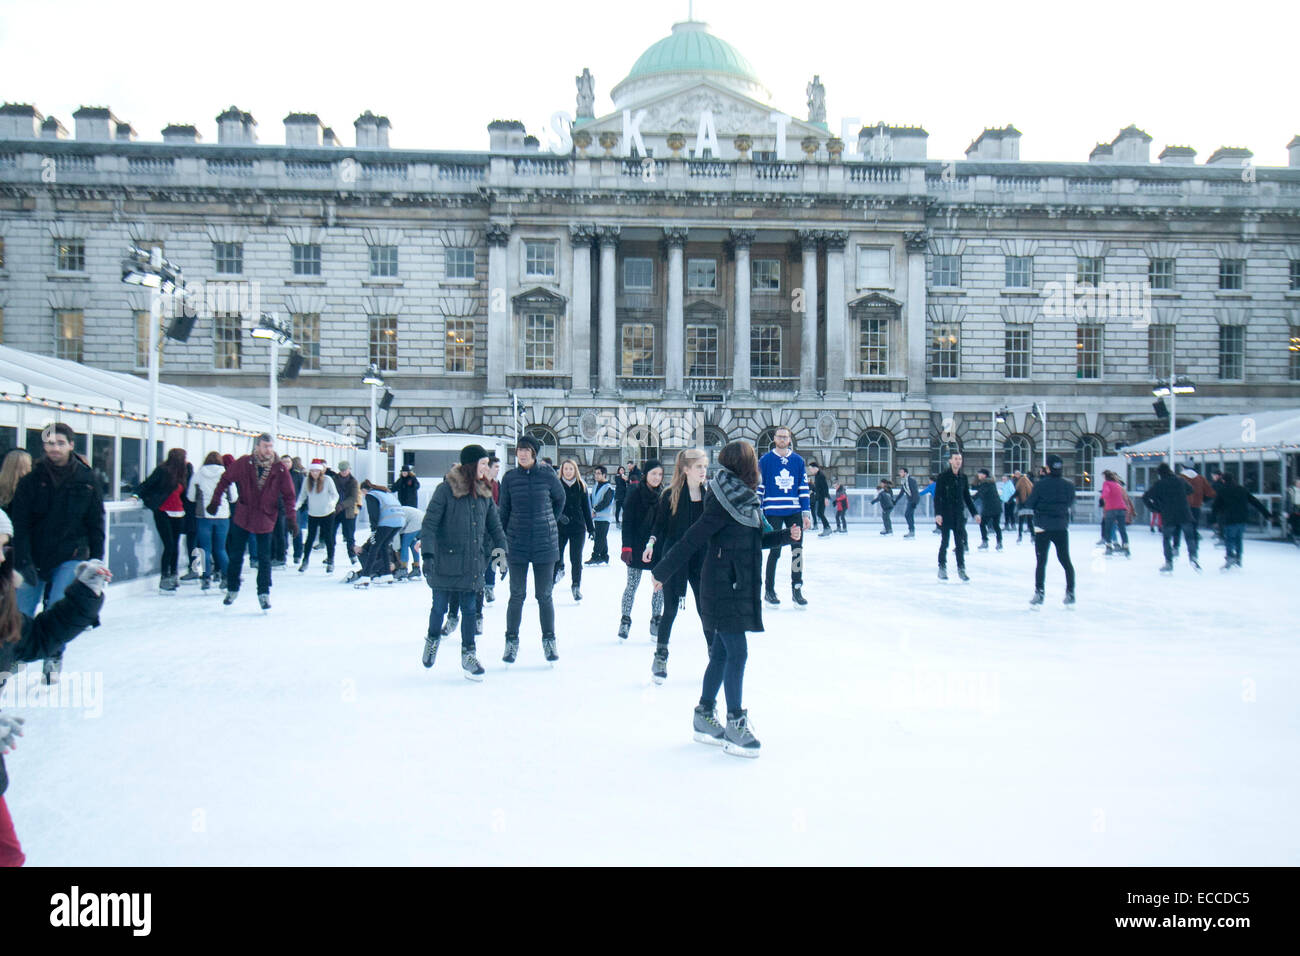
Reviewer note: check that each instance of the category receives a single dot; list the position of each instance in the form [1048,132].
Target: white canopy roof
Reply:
[70,386]
[1250,432]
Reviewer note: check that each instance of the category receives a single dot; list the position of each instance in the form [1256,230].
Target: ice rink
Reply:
[903,721]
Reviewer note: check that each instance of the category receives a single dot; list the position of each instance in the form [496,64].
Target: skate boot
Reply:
[999,546]
[1069,598]
[168,584]
[624,626]
[910,534]
[654,625]
[983,547]
[229,599]
[659,668]
[548,648]
[577,593]
[470,665]
[205,584]
[431,642]
[559,575]
[961,573]
[739,738]
[797,592]
[1037,599]
[943,573]
[489,594]
[51,667]
[826,533]
[769,595]
[329,567]
[1196,565]
[190,575]
[512,648]
[707,728]
[452,622]
[1167,568]
[361,583]
[264,600]
[306,560]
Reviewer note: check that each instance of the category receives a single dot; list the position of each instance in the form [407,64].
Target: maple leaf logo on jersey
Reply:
[785,480]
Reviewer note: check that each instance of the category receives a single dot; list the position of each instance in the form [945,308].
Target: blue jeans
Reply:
[408,539]
[462,599]
[1232,537]
[51,588]
[1115,518]
[727,656]
[212,539]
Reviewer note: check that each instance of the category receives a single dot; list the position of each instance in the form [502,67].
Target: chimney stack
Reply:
[1230,156]
[506,136]
[125,134]
[372,130]
[236,128]
[302,129]
[999,144]
[20,121]
[1177,155]
[51,128]
[1293,151]
[96,123]
[172,133]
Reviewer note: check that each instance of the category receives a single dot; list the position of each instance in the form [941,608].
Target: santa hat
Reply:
[317,464]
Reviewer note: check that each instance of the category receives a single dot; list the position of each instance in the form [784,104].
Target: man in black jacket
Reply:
[821,493]
[990,508]
[908,490]
[1229,510]
[1051,501]
[1169,496]
[951,502]
[532,499]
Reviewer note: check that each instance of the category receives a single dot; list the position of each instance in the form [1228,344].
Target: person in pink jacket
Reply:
[1115,505]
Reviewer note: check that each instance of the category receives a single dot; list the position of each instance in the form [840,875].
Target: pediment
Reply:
[539,298]
[678,111]
[875,301]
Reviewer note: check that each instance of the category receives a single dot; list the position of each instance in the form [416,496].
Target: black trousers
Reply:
[819,514]
[235,545]
[169,529]
[325,528]
[908,515]
[840,523]
[379,558]
[1043,541]
[600,550]
[957,528]
[674,591]
[543,581]
[575,536]
[993,521]
[796,550]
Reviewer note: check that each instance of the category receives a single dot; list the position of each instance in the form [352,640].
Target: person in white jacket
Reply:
[212,529]
[320,495]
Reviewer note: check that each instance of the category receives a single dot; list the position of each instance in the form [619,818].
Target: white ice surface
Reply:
[903,721]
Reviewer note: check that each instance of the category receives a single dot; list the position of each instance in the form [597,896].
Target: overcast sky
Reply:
[1068,75]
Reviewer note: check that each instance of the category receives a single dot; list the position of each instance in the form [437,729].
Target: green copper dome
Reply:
[692,49]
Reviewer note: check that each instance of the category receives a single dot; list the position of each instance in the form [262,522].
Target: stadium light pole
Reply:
[272,328]
[1177,386]
[149,269]
[375,380]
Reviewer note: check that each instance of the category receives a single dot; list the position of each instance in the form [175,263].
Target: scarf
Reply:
[263,467]
[740,500]
[60,473]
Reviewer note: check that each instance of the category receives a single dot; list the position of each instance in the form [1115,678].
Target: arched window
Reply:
[549,441]
[1017,453]
[1089,448]
[639,443]
[714,442]
[875,457]
[940,452]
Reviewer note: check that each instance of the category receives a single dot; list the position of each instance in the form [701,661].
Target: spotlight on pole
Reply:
[373,377]
[387,401]
[271,326]
[1001,416]
[1161,409]
[292,367]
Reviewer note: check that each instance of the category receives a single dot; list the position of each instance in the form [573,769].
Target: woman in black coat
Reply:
[735,535]
[638,524]
[575,523]
[25,638]
[163,493]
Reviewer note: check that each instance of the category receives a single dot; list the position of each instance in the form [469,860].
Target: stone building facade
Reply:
[694,267]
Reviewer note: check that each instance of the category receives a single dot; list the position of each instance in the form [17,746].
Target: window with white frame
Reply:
[1160,273]
[69,334]
[765,351]
[306,335]
[383,262]
[701,351]
[945,272]
[766,275]
[1017,452]
[702,275]
[1088,351]
[1019,272]
[458,353]
[383,342]
[1086,452]
[306,259]
[638,275]
[874,460]
[227,340]
[638,349]
[1016,352]
[873,346]
[1232,352]
[873,268]
[539,342]
[1294,273]
[1089,270]
[460,263]
[539,259]
[229,257]
[945,351]
[1160,351]
[1232,274]
[70,255]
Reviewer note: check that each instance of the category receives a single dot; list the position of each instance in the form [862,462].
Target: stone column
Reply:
[808,336]
[916,309]
[837,318]
[581,238]
[674,325]
[741,240]
[608,288]
[498,337]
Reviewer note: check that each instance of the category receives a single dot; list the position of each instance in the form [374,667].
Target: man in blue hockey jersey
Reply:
[783,489]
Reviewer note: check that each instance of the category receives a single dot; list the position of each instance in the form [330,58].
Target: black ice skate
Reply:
[961,573]
[265,601]
[431,642]
[1069,598]
[452,622]
[624,627]
[469,664]
[577,593]
[659,668]
[548,649]
[797,592]
[1167,568]
[654,625]
[512,649]
[230,598]
[943,573]
[1037,599]
[739,739]
[769,595]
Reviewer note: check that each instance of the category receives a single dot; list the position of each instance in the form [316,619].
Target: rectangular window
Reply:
[460,263]
[306,259]
[638,275]
[1294,347]
[1019,272]
[702,275]
[873,347]
[229,257]
[766,275]
[306,335]
[1295,270]
[539,342]
[1232,273]
[765,351]
[1160,273]
[701,350]
[1160,351]
[458,354]
[1015,359]
[383,342]
[946,272]
[69,333]
[873,268]
[1232,352]
[638,349]
[1089,270]
[1087,351]
[945,352]
[383,262]
[539,259]
[71,254]
[227,340]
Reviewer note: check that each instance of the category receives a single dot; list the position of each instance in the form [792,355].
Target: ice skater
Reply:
[1050,502]
[320,496]
[990,508]
[530,504]
[1169,497]
[908,491]
[783,490]
[885,498]
[951,502]
[842,510]
[575,521]
[638,524]
[1229,510]
[677,509]
[1116,506]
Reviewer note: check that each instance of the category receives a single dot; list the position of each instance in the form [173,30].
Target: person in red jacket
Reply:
[264,483]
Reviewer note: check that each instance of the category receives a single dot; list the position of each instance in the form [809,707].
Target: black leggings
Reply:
[674,591]
[1043,541]
[325,527]
[576,538]
[169,529]
[993,523]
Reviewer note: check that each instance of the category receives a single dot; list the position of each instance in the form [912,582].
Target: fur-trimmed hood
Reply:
[459,486]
